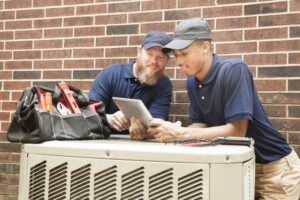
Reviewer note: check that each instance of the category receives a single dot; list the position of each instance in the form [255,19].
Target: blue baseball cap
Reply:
[156,39]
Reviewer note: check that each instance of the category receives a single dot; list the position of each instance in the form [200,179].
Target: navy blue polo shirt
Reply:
[227,94]
[118,81]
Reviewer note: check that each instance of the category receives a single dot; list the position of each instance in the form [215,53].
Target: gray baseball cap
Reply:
[187,32]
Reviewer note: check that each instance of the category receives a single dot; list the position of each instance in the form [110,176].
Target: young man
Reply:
[143,80]
[224,102]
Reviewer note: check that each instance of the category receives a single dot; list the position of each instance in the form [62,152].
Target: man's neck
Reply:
[201,75]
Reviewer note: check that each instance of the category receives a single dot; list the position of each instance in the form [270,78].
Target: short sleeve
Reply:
[100,88]
[238,92]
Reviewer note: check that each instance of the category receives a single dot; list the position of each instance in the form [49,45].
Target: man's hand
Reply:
[165,131]
[137,130]
[118,121]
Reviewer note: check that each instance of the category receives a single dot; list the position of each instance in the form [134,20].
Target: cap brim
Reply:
[178,44]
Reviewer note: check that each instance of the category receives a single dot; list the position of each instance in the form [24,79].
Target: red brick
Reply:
[283,19]
[18,64]
[5,15]
[158,5]
[122,29]
[124,7]
[294,58]
[18,4]
[179,85]
[233,1]
[181,97]
[45,23]
[182,14]
[179,109]
[222,11]
[80,42]
[4,127]
[48,44]
[111,19]
[6,35]
[264,8]
[238,22]
[5,55]
[170,73]
[88,53]
[29,34]
[18,45]
[50,54]
[163,26]
[61,74]
[88,31]
[275,110]
[27,55]
[32,13]
[294,138]
[4,95]
[271,33]
[287,45]
[270,85]
[145,17]
[84,85]
[45,3]
[72,64]
[56,12]
[68,2]
[1,45]
[101,63]
[5,75]
[56,33]
[136,40]
[265,59]
[78,21]
[4,116]
[195,3]
[24,24]
[47,64]
[280,98]
[243,47]
[9,179]
[286,124]
[11,106]
[111,41]
[93,9]
[15,85]
[294,5]
[227,36]
[9,157]
[125,52]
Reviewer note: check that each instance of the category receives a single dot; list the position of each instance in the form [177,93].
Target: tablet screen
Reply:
[133,108]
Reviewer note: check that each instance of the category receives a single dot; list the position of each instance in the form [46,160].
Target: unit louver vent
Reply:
[105,184]
[191,186]
[80,183]
[58,182]
[161,185]
[133,184]
[37,181]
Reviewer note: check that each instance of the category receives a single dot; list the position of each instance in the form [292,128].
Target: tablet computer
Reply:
[133,108]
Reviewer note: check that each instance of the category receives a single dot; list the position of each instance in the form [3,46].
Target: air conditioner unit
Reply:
[120,168]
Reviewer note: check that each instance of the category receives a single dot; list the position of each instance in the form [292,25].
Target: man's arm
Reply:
[165,131]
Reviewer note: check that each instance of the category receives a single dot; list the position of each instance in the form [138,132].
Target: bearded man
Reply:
[143,79]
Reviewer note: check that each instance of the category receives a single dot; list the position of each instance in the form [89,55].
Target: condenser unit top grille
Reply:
[127,149]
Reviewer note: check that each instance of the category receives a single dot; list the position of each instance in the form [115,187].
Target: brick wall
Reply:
[45,41]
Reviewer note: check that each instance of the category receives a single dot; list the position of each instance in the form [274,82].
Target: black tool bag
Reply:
[31,124]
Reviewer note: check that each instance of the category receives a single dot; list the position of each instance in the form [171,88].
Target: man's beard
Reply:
[145,76]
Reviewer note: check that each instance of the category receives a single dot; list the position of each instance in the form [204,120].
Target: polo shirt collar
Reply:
[129,71]
[213,71]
